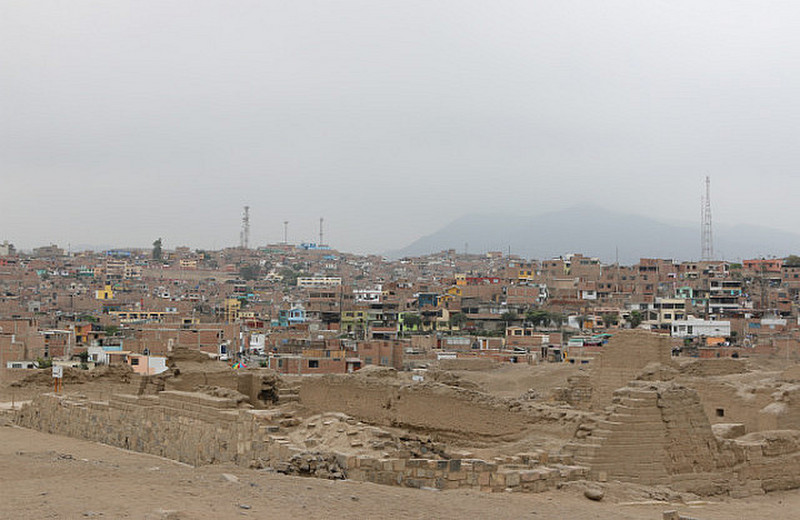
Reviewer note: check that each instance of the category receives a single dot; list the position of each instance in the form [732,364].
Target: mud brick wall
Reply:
[654,433]
[192,428]
[462,473]
[623,358]
[577,393]
[766,461]
[430,407]
[199,429]
[657,433]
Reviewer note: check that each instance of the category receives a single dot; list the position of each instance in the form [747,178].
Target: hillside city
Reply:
[661,386]
[309,309]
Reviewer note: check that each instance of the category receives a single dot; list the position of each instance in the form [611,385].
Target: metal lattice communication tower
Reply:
[706,233]
[285,231]
[244,235]
[321,235]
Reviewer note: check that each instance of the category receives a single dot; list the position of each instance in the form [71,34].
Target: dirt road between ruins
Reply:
[49,476]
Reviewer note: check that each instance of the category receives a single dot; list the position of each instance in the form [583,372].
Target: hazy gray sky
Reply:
[124,121]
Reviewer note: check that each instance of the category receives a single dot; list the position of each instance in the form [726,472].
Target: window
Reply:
[720,412]
[134,361]
[313,363]
[367,360]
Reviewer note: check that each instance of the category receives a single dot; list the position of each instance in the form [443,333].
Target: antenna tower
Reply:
[321,241]
[285,231]
[706,234]
[244,235]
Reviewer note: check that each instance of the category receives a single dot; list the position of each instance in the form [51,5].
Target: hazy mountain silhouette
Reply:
[599,232]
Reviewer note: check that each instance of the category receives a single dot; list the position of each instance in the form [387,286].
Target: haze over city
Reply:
[363,259]
[127,121]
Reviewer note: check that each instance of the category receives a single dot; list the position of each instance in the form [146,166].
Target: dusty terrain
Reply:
[49,476]
[499,414]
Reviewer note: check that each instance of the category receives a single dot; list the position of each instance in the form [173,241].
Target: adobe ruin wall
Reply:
[199,429]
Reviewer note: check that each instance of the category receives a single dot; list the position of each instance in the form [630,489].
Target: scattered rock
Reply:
[230,478]
[593,493]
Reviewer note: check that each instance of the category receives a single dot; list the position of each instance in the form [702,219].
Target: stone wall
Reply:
[654,433]
[193,428]
[199,429]
[527,474]
[577,393]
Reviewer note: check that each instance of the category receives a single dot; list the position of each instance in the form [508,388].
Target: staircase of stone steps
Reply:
[594,433]
[274,420]
[288,394]
[629,435]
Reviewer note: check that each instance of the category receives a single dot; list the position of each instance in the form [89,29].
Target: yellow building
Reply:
[232,308]
[104,294]
[188,263]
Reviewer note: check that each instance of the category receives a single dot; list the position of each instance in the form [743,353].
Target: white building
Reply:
[693,328]
[373,295]
[318,282]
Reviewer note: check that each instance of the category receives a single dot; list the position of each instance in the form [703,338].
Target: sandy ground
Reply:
[48,476]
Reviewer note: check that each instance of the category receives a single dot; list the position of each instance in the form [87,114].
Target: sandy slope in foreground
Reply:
[48,476]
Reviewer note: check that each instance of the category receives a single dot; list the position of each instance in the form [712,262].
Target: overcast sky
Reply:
[124,121]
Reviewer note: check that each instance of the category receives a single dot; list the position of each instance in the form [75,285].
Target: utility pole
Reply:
[244,235]
[706,234]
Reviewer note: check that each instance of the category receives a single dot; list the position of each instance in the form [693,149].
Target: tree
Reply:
[635,319]
[792,261]
[610,318]
[289,277]
[157,249]
[508,317]
[537,317]
[458,320]
[555,318]
[249,272]
[411,321]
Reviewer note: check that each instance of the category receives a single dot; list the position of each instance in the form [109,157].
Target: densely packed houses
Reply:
[305,310]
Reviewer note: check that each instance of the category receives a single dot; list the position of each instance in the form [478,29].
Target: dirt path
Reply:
[48,476]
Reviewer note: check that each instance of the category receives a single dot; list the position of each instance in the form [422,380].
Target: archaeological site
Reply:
[635,416]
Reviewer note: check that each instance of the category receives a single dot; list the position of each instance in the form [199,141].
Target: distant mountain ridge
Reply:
[599,232]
